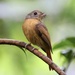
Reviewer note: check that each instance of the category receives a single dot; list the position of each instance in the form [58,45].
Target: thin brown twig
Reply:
[36,52]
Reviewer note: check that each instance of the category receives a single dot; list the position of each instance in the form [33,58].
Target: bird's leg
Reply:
[27,45]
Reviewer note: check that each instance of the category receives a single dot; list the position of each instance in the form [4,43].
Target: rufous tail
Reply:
[49,55]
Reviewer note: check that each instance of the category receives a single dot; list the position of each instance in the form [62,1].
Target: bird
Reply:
[36,32]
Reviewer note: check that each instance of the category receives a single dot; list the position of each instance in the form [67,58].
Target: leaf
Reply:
[72,40]
[69,54]
[66,43]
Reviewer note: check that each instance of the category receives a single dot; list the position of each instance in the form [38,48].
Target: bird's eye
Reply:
[35,13]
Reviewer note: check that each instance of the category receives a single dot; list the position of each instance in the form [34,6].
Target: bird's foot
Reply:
[34,49]
[30,45]
[27,45]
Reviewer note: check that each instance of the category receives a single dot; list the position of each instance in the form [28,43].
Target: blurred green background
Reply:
[60,22]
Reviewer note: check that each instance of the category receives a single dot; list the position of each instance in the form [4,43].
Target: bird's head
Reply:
[36,14]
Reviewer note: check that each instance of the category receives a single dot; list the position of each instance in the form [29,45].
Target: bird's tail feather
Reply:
[49,55]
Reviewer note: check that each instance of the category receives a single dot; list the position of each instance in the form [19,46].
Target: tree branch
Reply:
[36,52]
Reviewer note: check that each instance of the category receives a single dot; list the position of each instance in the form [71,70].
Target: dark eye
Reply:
[35,13]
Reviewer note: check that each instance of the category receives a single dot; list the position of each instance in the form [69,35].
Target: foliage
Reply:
[68,45]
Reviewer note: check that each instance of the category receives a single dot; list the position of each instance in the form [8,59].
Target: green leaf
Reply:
[66,43]
[68,54]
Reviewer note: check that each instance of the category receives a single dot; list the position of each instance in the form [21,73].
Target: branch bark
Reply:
[36,52]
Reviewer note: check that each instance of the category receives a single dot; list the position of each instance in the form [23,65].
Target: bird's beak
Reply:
[43,15]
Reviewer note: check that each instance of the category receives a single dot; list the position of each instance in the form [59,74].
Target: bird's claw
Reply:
[30,45]
[33,49]
[27,45]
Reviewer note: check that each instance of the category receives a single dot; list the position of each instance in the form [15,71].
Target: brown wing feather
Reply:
[43,33]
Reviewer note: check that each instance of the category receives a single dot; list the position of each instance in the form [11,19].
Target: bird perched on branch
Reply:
[36,32]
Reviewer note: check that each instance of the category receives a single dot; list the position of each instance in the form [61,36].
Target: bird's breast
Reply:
[29,30]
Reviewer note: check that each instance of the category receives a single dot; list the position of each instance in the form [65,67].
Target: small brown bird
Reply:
[36,32]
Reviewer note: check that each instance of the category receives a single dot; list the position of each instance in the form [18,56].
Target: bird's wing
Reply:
[42,32]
